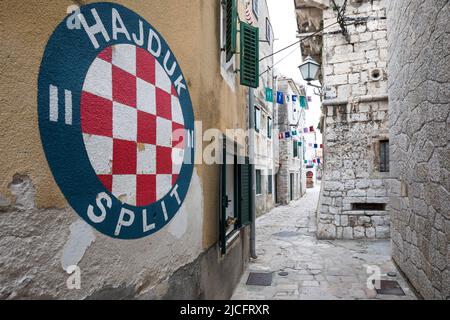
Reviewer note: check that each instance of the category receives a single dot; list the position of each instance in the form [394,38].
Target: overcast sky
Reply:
[284,24]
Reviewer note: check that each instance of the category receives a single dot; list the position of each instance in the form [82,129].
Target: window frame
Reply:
[268,30]
[258,174]
[242,188]
[384,166]
[269,127]
[269,182]
[257,118]
[227,67]
[294,149]
[255,8]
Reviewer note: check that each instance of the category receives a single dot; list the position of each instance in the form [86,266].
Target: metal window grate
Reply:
[384,156]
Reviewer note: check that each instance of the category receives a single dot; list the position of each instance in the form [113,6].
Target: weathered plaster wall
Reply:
[355,120]
[37,246]
[39,234]
[419,95]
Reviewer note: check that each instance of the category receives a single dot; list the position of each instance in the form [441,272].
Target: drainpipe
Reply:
[251,147]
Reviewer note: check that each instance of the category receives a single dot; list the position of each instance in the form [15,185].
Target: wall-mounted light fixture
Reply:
[309,71]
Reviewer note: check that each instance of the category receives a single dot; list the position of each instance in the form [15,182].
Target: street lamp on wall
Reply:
[309,71]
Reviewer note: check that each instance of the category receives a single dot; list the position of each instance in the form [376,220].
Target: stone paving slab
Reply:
[317,269]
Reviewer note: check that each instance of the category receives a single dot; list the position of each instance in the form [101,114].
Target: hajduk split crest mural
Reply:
[116,121]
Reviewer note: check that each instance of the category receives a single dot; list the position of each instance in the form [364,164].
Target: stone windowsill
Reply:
[365,213]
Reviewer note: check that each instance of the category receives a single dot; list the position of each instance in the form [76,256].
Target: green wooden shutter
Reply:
[231,28]
[249,55]
[258,181]
[245,189]
[223,201]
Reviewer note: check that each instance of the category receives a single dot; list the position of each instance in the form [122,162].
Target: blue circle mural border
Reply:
[66,61]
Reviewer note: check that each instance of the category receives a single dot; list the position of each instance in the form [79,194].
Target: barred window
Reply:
[384,156]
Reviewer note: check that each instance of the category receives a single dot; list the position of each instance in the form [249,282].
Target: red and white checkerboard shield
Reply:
[132,124]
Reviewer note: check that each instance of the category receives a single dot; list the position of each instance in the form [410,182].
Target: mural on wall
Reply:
[116,121]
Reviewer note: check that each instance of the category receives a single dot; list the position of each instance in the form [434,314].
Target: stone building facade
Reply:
[291,173]
[354,202]
[419,108]
[41,236]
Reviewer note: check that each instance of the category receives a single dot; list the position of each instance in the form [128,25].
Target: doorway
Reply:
[276,189]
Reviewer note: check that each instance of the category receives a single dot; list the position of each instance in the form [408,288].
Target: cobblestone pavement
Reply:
[317,269]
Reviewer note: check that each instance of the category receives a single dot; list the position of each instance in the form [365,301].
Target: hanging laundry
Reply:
[315,145]
[311,129]
[303,102]
[269,95]
[280,97]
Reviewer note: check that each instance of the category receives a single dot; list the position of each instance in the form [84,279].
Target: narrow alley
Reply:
[221,150]
[305,268]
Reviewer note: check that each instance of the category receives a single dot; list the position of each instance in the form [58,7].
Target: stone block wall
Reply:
[354,202]
[351,174]
[357,68]
[419,94]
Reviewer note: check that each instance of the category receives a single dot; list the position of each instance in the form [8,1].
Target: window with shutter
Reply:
[223,201]
[231,28]
[257,119]
[269,127]
[249,55]
[242,193]
[258,182]
[245,189]
[269,182]
[384,156]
